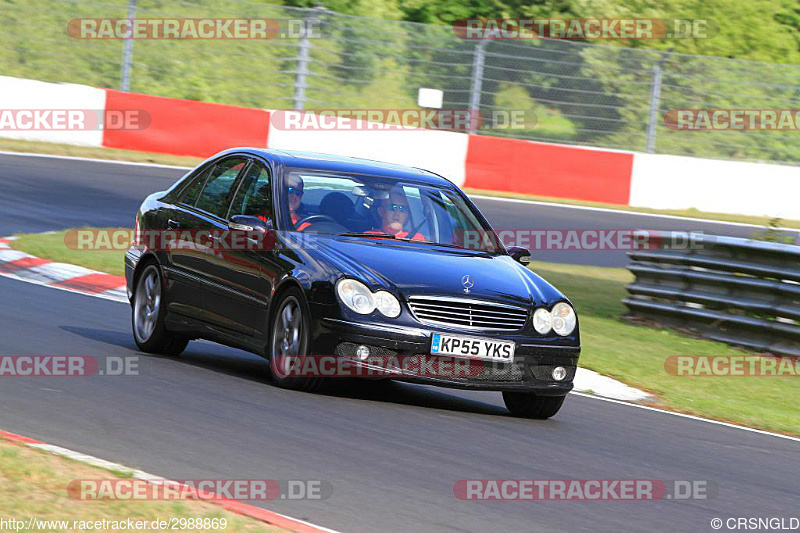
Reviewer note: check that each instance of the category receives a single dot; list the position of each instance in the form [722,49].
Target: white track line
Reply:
[150,478]
[478,196]
[591,396]
[92,160]
[624,212]
[691,417]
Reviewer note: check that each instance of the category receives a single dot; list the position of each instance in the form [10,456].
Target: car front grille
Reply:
[469,314]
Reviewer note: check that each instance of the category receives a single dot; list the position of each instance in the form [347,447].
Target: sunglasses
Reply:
[296,190]
[399,207]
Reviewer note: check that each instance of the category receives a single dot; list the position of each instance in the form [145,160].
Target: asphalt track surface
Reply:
[41,194]
[391,451]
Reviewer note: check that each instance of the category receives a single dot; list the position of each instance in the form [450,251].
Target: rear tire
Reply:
[527,405]
[290,329]
[147,317]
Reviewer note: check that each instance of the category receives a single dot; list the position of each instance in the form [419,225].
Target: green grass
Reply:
[630,353]
[33,484]
[52,246]
[636,354]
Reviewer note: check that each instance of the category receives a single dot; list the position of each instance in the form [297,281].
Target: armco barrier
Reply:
[733,290]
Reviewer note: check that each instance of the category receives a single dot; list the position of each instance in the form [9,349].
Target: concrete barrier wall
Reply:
[676,182]
[552,170]
[18,93]
[443,152]
[185,127]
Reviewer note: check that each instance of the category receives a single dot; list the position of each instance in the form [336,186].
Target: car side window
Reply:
[216,193]
[254,196]
[189,195]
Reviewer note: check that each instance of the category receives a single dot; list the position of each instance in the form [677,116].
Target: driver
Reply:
[394,212]
[294,191]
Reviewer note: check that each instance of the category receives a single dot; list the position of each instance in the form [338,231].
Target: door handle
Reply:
[173,224]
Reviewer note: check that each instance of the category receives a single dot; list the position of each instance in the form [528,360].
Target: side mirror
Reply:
[249,223]
[520,255]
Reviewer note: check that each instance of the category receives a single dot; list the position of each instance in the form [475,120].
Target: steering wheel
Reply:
[314,218]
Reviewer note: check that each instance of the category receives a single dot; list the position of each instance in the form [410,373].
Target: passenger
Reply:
[394,213]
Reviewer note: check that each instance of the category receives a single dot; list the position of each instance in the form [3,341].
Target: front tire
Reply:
[147,318]
[291,327]
[527,405]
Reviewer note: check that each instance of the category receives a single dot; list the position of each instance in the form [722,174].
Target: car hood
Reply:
[423,269]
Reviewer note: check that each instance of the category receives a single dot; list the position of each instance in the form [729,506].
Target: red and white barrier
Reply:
[540,169]
[186,127]
[443,152]
[19,94]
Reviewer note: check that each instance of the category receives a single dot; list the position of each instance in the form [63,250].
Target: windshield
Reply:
[373,207]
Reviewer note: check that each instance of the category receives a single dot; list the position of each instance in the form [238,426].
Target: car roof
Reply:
[341,163]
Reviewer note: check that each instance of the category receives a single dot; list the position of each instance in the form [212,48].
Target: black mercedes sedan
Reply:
[334,266]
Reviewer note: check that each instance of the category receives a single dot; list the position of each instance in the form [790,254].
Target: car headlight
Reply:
[356,296]
[387,304]
[542,321]
[564,319]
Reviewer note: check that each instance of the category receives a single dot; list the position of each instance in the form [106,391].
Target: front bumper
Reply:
[531,371]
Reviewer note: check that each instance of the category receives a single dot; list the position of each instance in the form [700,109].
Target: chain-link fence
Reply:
[580,93]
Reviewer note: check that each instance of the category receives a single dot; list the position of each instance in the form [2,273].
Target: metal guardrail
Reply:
[733,290]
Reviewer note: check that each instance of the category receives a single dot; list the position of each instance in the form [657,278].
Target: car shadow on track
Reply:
[115,338]
[389,391]
[241,364]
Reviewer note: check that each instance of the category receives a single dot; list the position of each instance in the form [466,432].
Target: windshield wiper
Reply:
[447,245]
[378,234]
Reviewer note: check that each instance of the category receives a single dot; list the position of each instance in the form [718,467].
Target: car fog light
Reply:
[559,373]
[362,352]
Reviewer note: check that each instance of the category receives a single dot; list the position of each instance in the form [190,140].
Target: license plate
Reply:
[472,348]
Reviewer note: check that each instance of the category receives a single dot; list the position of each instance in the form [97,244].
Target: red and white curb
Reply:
[25,267]
[257,513]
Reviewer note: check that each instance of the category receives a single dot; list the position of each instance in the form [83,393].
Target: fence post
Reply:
[127,50]
[476,83]
[304,49]
[655,102]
